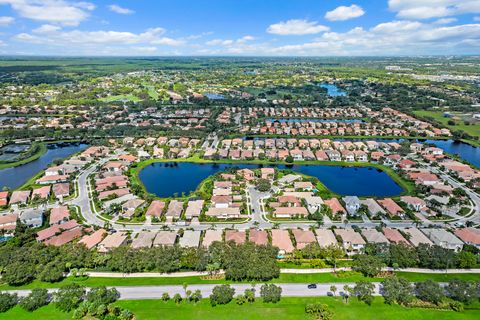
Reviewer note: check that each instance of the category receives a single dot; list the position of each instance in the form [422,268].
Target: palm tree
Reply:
[333,289]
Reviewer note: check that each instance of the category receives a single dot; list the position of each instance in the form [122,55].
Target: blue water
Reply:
[315,120]
[166,179]
[333,90]
[464,151]
[214,96]
[15,177]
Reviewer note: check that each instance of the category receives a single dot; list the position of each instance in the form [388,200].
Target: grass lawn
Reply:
[287,308]
[473,129]
[130,97]
[348,276]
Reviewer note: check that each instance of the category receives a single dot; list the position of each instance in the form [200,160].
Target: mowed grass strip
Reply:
[286,309]
[284,278]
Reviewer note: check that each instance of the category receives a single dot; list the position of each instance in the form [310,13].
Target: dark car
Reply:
[312,286]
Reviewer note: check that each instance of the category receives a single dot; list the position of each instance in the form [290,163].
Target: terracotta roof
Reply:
[64,237]
[59,214]
[239,237]
[259,237]
[281,240]
[93,239]
[469,235]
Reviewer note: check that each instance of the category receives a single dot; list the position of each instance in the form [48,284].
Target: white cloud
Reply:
[53,11]
[296,27]
[97,40]
[229,42]
[168,41]
[46,28]
[391,38]
[5,21]
[445,21]
[117,9]
[426,9]
[345,13]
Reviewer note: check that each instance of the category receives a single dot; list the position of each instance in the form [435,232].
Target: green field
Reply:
[130,97]
[472,129]
[286,309]
[348,276]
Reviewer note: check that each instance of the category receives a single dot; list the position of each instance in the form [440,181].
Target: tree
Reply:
[19,273]
[333,288]
[37,298]
[165,296]
[289,159]
[52,272]
[319,311]
[263,185]
[102,295]
[429,291]
[221,294]
[195,296]
[332,254]
[7,301]
[364,290]
[462,291]
[466,259]
[397,290]
[369,266]
[69,297]
[270,293]
[177,298]
[249,295]
[346,292]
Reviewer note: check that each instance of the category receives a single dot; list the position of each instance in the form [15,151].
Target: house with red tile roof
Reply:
[303,238]
[8,223]
[336,206]
[470,236]
[92,240]
[239,237]
[259,237]
[393,235]
[3,198]
[19,197]
[281,239]
[392,208]
[155,209]
[61,190]
[56,229]
[59,215]
[64,237]
[41,193]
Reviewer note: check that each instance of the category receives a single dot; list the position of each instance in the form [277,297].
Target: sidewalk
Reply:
[289,271]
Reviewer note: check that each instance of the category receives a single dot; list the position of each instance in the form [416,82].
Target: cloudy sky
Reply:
[239,27]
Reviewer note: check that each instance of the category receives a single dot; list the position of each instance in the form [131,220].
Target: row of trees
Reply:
[97,303]
[426,293]
[223,294]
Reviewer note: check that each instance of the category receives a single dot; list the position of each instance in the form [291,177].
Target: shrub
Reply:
[36,299]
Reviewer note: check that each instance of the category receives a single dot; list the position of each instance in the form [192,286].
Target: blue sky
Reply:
[240,27]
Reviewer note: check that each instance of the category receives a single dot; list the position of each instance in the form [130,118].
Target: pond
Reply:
[16,176]
[165,179]
[333,90]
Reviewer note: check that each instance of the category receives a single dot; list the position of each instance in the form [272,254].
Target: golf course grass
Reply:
[286,309]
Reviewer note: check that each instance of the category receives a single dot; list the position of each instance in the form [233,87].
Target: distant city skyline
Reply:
[240,27]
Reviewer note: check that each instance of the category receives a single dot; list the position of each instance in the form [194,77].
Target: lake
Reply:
[333,90]
[164,179]
[15,177]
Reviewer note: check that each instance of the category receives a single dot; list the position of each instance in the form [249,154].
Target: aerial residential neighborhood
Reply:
[239,159]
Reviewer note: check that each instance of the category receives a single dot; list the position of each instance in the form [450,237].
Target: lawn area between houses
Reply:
[286,309]
[347,276]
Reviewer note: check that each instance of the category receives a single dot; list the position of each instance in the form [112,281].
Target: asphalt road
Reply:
[288,290]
